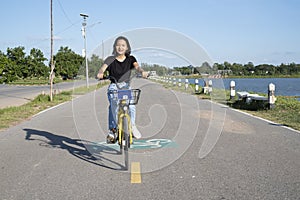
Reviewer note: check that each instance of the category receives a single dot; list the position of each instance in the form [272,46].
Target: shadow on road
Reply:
[83,149]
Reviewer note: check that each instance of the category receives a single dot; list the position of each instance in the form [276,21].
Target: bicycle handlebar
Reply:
[133,96]
[111,78]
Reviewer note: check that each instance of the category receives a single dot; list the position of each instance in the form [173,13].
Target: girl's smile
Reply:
[121,47]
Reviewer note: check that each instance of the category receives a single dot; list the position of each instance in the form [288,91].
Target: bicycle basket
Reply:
[132,95]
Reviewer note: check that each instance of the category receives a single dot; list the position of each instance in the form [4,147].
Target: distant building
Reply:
[225,71]
[175,73]
[153,73]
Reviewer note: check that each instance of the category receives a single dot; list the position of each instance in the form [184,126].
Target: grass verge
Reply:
[14,115]
[286,111]
[35,81]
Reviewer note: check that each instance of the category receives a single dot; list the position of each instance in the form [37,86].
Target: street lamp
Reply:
[83,31]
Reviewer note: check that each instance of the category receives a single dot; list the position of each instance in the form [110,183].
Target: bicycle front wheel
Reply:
[126,140]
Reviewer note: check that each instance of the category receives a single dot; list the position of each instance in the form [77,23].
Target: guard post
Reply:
[205,88]
[271,96]
[196,86]
[186,84]
[210,83]
[232,90]
[179,82]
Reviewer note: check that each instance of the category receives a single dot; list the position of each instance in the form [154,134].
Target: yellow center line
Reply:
[136,172]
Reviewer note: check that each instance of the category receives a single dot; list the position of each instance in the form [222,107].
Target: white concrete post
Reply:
[271,95]
[205,88]
[210,86]
[196,86]
[232,90]
[186,84]
[179,82]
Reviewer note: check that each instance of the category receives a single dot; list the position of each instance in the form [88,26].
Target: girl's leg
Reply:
[113,107]
[132,113]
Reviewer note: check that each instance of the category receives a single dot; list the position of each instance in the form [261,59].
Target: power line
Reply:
[64,12]
[61,31]
[77,22]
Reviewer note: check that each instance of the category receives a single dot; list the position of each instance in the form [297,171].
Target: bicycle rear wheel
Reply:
[126,141]
[121,144]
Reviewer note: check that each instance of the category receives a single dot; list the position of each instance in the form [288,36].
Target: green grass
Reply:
[286,111]
[14,115]
[84,90]
[34,81]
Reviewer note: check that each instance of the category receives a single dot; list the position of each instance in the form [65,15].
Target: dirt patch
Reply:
[229,125]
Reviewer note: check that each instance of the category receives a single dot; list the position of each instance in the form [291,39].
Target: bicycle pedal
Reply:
[110,142]
[110,139]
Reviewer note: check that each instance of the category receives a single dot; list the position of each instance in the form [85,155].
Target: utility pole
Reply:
[83,30]
[51,53]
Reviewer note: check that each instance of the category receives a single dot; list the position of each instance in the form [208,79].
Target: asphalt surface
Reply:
[215,152]
[15,95]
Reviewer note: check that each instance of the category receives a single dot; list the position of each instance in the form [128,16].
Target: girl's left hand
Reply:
[145,74]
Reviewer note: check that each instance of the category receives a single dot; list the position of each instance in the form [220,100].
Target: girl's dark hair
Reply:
[128,52]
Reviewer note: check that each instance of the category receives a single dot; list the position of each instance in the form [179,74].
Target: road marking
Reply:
[143,144]
[53,107]
[136,172]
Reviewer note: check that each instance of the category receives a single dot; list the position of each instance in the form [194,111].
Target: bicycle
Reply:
[125,98]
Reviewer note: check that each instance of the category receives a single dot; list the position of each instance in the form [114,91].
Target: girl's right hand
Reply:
[100,75]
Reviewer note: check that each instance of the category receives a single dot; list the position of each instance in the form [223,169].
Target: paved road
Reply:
[60,154]
[11,95]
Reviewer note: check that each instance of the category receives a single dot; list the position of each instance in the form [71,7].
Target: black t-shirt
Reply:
[120,70]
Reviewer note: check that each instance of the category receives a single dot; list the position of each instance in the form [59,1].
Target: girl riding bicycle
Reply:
[119,66]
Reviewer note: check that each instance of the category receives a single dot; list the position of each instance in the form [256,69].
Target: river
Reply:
[283,86]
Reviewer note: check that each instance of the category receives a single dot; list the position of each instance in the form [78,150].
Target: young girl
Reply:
[119,66]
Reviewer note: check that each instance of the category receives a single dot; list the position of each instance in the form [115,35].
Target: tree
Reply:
[35,62]
[6,69]
[67,63]
[206,68]
[94,64]
[160,70]
[15,64]
[237,69]
[294,68]
[249,68]
[3,60]
[17,56]
[227,65]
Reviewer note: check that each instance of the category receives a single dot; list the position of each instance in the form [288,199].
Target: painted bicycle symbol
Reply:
[146,144]
[153,144]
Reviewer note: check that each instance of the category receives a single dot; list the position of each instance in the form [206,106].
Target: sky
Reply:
[168,32]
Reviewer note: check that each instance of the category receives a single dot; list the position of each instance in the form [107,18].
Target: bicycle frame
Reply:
[125,98]
[122,113]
